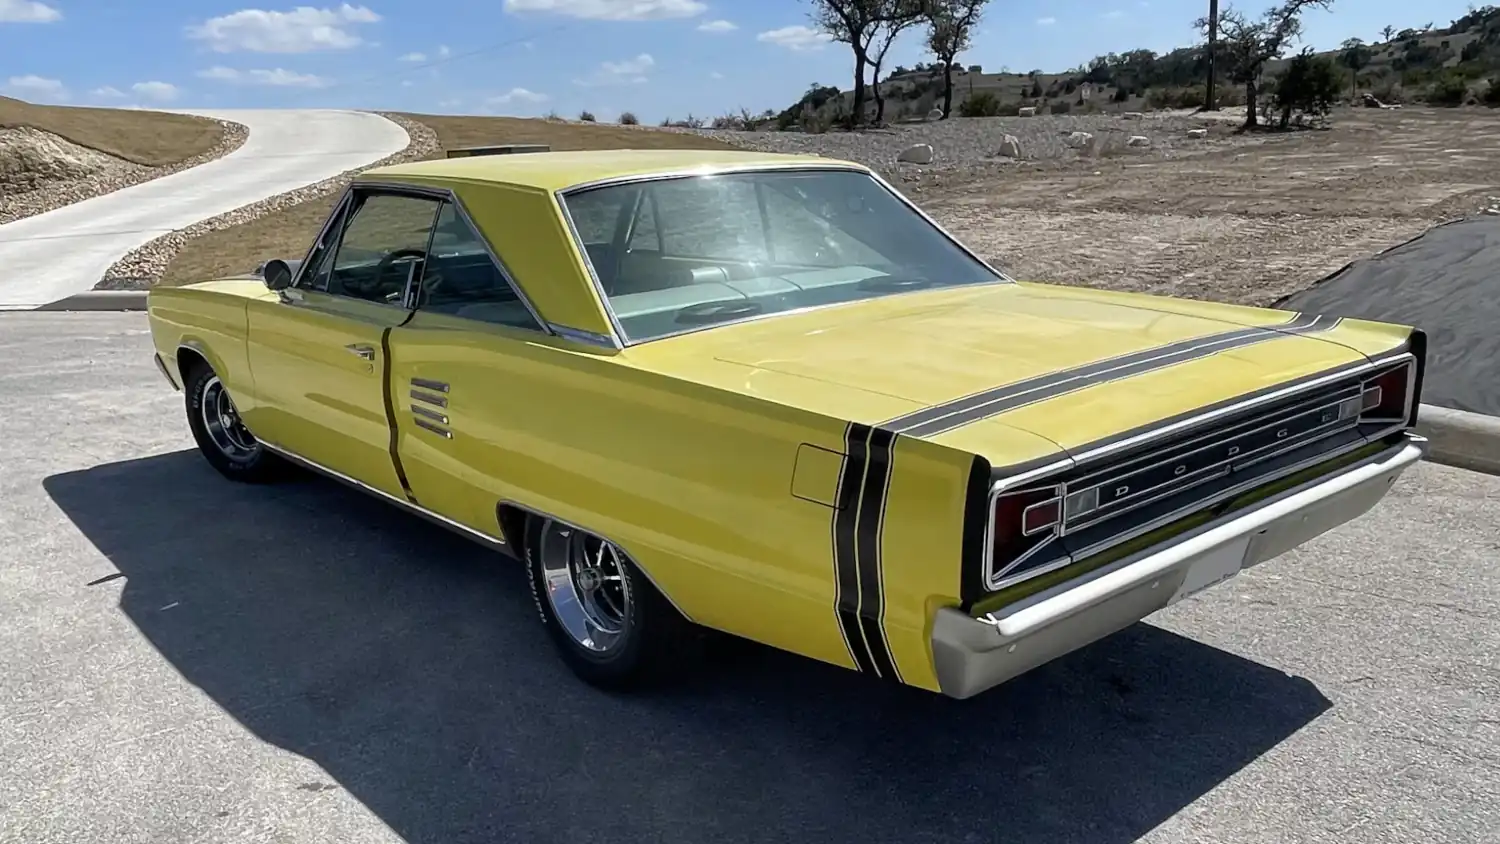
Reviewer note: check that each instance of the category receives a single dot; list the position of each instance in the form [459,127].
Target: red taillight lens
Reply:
[1385,395]
[1024,520]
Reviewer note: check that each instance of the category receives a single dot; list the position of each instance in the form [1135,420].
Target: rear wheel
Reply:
[608,621]
[220,433]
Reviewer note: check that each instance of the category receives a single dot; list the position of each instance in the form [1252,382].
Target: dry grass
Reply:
[288,233]
[151,138]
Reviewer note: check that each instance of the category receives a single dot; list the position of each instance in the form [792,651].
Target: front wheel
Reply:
[608,621]
[222,437]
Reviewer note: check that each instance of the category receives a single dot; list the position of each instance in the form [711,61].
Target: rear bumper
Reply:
[974,654]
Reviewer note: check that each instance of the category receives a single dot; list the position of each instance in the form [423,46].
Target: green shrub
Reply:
[587,116]
[1450,89]
[982,104]
[628,118]
[1060,107]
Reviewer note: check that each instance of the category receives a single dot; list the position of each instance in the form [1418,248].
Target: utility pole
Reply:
[1210,102]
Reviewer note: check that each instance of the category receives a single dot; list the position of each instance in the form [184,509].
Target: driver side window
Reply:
[384,243]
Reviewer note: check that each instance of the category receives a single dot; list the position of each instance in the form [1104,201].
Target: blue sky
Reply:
[657,58]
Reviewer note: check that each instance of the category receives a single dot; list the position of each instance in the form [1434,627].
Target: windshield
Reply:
[673,255]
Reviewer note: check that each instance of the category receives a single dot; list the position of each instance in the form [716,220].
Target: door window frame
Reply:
[358,191]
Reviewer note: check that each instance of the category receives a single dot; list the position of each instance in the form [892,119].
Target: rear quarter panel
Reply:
[696,483]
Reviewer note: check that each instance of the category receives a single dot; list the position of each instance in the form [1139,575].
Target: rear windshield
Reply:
[675,255]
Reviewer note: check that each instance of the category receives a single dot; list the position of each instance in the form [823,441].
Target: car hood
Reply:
[914,358]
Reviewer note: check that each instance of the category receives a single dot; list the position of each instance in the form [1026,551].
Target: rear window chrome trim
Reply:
[623,340]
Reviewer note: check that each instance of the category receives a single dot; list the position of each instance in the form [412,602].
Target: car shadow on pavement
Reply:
[408,664]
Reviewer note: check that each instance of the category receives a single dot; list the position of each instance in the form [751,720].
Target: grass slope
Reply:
[288,233]
[151,138]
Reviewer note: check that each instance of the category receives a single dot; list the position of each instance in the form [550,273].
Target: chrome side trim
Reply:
[435,386]
[415,509]
[431,399]
[507,502]
[424,424]
[578,335]
[430,414]
[622,339]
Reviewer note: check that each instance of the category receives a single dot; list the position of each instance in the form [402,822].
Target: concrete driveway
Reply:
[187,659]
[66,251]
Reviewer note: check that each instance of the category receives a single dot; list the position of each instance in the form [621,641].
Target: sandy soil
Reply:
[1246,224]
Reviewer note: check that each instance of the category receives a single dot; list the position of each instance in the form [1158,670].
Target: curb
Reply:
[100,300]
[1461,439]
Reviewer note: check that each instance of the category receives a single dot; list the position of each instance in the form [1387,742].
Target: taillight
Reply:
[1023,521]
[1385,396]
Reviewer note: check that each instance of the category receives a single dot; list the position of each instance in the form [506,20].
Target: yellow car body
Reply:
[826,480]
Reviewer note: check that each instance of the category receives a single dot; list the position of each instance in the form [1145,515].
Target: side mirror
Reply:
[278,273]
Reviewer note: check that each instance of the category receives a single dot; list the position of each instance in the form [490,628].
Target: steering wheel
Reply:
[706,312]
[377,279]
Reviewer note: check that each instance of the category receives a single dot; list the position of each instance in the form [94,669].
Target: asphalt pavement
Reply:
[1446,282]
[66,251]
[187,659]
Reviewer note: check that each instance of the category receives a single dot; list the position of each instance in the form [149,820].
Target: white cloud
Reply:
[413,57]
[27,11]
[518,95]
[718,26]
[611,10]
[277,78]
[443,51]
[302,30]
[37,86]
[407,84]
[159,91]
[800,38]
[1045,21]
[1115,15]
[716,75]
[629,72]
[108,92]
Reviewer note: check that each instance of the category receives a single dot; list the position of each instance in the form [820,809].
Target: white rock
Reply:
[1010,146]
[1138,141]
[1028,111]
[1133,115]
[1079,139]
[934,115]
[1197,133]
[916,154]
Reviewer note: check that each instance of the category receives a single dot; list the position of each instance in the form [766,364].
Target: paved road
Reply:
[1446,282]
[185,659]
[66,251]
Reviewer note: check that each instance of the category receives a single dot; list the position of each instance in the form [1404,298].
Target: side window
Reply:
[320,259]
[460,277]
[384,242]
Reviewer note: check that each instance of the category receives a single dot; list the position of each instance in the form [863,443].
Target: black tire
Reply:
[656,645]
[252,464]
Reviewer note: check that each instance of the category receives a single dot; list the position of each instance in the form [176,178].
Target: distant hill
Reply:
[1455,65]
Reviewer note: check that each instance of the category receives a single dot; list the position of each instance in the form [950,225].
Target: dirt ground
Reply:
[1250,223]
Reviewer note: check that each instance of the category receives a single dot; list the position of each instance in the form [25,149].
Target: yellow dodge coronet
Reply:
[767,395]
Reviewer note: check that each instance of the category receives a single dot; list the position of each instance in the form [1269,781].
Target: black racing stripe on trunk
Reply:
[1053,385]
[868,553]
[846,602]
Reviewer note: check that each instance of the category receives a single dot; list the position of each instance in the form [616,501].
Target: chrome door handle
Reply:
[363,350]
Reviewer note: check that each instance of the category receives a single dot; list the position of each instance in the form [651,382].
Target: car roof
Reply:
[561,170]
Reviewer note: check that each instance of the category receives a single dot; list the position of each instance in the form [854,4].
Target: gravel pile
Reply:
[51,171]
[974,143]
[143,266]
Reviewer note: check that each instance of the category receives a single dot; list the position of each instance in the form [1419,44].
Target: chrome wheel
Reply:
[222,423]
[586,585]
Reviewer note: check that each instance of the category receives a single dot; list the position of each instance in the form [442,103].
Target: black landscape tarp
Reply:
[1445,282]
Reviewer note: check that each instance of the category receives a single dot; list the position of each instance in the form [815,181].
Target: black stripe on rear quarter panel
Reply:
[845,514]
[868,530]
[945,417]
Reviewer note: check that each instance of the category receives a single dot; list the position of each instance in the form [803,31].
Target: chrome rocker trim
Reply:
[971,655]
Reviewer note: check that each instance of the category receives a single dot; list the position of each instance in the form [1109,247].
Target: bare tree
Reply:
[862,24]
[896,16]
[1249,44]
[950,24]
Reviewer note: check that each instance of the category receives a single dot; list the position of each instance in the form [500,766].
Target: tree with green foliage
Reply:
[1310,84]
[1387,33]
[950,26]
[864,26]
[1354,55]
[1246,45]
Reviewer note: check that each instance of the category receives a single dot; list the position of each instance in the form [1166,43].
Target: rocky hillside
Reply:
[51,156]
